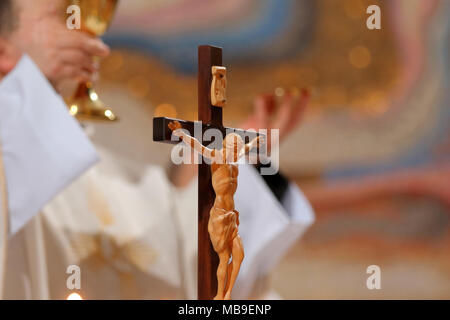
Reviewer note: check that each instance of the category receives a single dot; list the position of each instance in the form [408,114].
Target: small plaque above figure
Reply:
[219,86]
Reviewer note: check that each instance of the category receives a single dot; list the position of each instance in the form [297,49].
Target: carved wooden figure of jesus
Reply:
[224,218]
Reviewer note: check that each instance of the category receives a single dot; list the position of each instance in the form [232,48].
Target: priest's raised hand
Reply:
[36,29]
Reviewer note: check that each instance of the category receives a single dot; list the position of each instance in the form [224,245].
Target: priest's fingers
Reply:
[81,41]
[70,72]
[299,109]
[79,58]
[263,107]
[283,115]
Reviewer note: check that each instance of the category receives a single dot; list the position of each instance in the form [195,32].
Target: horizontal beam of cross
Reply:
[162,133]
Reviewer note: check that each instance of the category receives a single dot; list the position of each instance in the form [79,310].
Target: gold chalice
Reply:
[96,16]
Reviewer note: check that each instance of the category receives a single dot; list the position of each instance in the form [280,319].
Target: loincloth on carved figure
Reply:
[223,228]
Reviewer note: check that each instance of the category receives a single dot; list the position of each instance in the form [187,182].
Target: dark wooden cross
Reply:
[211,117]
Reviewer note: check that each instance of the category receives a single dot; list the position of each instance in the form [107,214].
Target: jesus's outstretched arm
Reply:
[255,143]
[175,126]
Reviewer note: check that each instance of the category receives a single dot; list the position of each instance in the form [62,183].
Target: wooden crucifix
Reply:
[210,117]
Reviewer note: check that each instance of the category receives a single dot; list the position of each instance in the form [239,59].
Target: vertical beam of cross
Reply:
[208,260]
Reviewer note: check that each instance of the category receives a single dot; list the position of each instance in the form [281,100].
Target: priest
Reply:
[132,238]
[42,149]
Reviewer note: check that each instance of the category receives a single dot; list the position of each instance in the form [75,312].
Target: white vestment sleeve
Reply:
[267,227]
[44,148]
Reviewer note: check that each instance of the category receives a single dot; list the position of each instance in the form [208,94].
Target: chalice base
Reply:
[86,105]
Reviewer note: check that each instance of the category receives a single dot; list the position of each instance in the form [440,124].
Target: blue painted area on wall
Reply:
[275,20]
